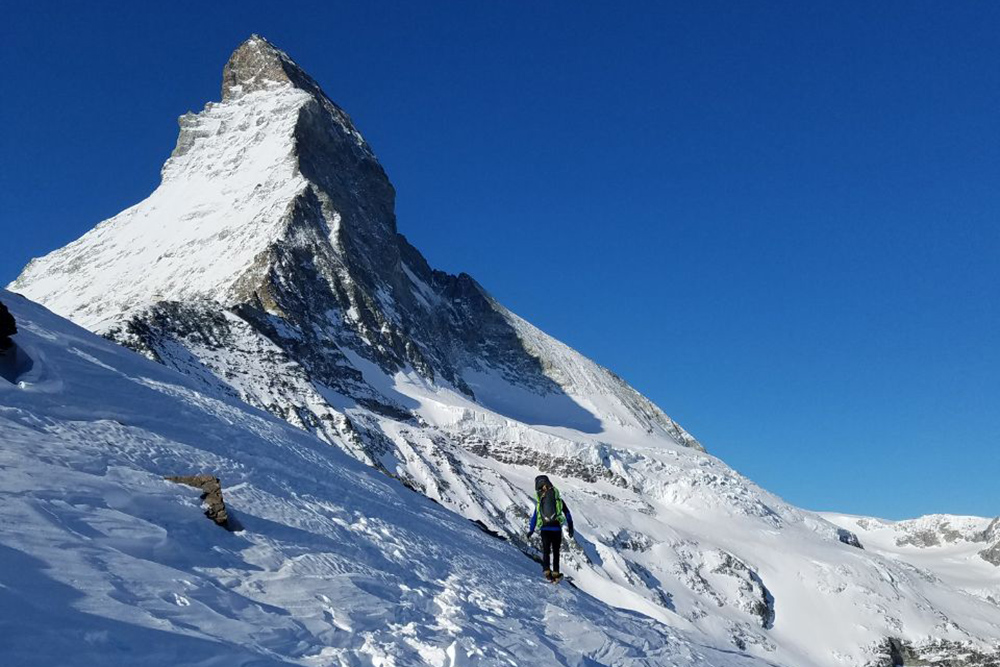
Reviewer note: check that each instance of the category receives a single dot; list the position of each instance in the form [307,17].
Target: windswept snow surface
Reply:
[102,562]
[233,163]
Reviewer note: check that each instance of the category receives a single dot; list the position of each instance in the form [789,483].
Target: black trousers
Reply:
[551,541]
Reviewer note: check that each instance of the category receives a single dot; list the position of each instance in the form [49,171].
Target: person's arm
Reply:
[534,520]
[569,518]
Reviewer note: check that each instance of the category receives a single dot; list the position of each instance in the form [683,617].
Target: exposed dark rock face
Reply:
[759,600]
[626,540]
[8,327]
[515,454]
[946,533]
[933,532]
[991,555]
[12,360]
[895,652]
[849,538]
[899,652]
[922,538]
[992,532]
[211,494]
[486,529]
[991,536]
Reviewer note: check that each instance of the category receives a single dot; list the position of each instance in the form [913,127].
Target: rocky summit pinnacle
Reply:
[256,64]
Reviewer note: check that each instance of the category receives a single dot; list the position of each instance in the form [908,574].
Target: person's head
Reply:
[542,481]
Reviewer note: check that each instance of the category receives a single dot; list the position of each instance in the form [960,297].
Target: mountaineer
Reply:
[551,512]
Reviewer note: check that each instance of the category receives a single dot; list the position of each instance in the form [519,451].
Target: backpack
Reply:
[548,504]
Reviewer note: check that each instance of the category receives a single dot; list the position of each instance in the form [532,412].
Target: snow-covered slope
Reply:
[171,244]
[102,562]
[963,551]
[310,305]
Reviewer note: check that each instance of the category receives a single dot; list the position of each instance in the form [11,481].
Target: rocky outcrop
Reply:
[8,327]
[12,361]
[991,535]
[849,538]
[920,538]
[991,555]
[716,575]
[211,495]
[937,530]
[256,64]
[895,652]
[756,598]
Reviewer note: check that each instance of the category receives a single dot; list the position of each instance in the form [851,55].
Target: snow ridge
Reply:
[222,201]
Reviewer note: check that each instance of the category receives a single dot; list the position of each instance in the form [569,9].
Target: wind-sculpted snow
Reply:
[102,561]
[232,163]
[268,268]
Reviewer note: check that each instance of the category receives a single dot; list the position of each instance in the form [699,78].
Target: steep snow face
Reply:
[333,564]
[335,323]
[222,201]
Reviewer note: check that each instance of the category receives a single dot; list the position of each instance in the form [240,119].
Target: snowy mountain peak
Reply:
[273,208]
[245,174]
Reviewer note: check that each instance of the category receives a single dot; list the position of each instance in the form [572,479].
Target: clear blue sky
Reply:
[778,220]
